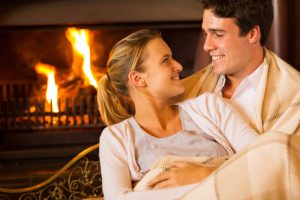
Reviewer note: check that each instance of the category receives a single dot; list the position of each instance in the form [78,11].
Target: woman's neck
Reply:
[158,118]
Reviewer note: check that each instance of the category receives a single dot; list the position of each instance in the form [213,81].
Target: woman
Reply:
[134,101]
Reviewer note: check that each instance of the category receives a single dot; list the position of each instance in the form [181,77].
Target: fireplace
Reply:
[38,136]
[24,89]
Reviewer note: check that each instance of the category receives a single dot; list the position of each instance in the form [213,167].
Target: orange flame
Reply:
[79,39]
[51,94]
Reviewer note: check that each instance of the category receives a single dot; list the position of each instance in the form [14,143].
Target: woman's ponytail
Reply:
[110,104]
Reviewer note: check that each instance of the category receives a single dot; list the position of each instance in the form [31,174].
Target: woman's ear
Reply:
[255,35]
[136,79]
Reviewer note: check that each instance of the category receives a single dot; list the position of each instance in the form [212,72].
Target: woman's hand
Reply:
[180,174]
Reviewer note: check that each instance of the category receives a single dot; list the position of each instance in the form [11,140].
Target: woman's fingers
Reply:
[180,174]
[163,184]
[158,179]
[164,180]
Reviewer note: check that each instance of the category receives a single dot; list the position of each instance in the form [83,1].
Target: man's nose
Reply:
[208,44]
[178,66]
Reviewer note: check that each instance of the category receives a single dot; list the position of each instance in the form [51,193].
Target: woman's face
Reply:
[161,70]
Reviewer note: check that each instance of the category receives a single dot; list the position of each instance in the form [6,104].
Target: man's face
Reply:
[230,52]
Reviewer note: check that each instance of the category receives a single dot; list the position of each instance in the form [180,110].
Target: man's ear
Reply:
[136,79]
[254,35]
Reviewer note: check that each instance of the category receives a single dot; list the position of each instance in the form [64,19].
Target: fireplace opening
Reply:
[30,56]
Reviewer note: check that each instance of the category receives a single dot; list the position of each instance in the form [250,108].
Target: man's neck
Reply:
[233,81]
[231,84]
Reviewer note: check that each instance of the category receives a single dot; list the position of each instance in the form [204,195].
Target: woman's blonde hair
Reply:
[114,103]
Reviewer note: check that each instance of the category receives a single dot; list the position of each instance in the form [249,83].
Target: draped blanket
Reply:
[269,168]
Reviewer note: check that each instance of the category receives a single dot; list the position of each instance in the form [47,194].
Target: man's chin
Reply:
[218,70]
[179,93]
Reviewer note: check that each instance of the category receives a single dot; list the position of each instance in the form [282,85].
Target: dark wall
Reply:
[62,12]
[284,38]
[296,50]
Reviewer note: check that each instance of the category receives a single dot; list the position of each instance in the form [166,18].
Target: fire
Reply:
[52,90]
[79,38]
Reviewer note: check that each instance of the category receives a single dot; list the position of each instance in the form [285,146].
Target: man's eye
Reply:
[218,35]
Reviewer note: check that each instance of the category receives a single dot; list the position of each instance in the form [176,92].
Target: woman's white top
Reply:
[190,141]
[210,128]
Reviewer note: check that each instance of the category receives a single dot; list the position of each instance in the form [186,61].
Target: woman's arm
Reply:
[228,121]
[217,118]
[115,172]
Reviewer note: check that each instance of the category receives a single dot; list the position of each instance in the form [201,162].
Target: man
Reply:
[266,92]
[263,88]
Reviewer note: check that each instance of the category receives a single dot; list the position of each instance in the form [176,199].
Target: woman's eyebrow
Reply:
[166,56]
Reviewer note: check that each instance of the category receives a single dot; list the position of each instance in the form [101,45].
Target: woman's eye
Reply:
[166,60]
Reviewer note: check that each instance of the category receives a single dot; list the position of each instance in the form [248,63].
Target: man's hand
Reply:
[180,174]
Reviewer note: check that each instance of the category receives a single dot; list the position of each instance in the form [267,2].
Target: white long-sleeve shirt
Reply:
[118,154]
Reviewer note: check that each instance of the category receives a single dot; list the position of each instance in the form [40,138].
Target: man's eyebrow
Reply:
[214,30]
